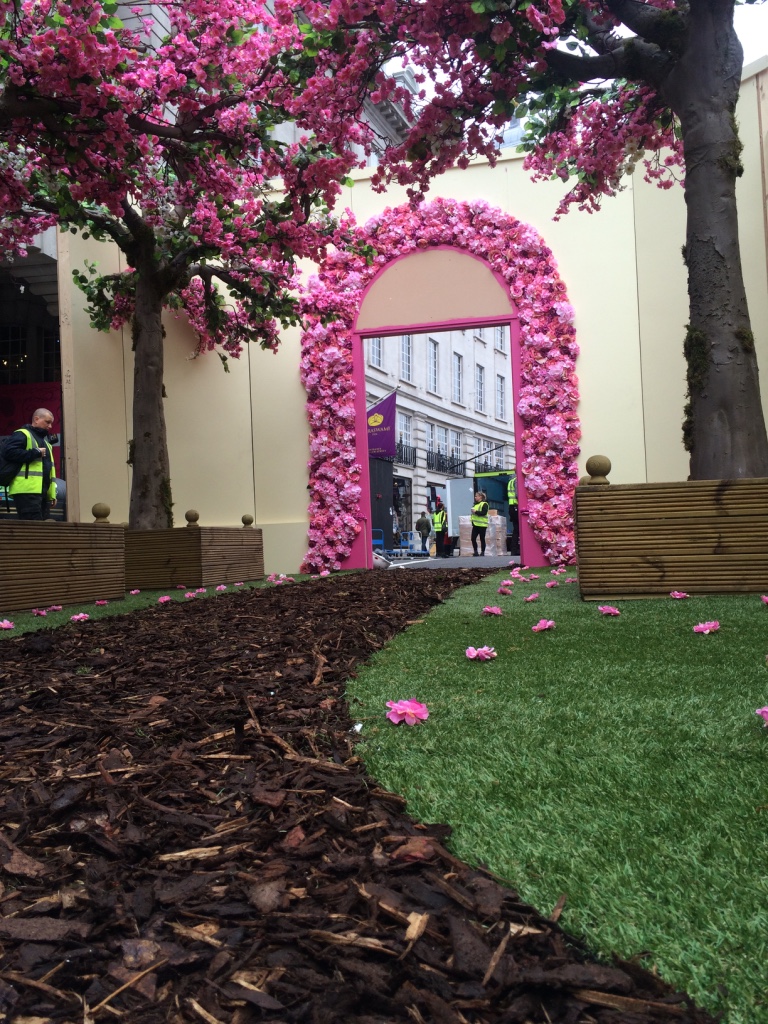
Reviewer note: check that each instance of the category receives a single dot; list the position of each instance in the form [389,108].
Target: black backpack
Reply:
[8,469]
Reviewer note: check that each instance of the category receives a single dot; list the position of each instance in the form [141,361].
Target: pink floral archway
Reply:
[547,394]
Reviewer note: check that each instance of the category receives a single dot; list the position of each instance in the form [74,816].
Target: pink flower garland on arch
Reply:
[548,395]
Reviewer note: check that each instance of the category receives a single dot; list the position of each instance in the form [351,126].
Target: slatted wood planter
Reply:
[194,556]
[700,536]
[60,563]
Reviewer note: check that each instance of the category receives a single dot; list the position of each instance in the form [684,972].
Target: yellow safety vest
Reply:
[29,479]
[480,514]
[440,520]
[512,489]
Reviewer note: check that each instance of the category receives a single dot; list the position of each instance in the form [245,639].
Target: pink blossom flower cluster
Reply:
[480,653]
[278,578]
[707,627]
[763,713]
[408,711]
[532,597]
[548,394]
[608,609]
[679,595]
[542,625]
[6,624]
[492,610]
[80,617]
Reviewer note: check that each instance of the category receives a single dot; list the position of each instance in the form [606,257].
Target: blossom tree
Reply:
[180,132]
[604,85]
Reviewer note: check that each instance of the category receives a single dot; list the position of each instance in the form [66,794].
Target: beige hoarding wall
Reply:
[281,453]
[596,258]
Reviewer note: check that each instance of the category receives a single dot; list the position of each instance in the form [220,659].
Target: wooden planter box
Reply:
[701,536]
[198,556]
[60,563]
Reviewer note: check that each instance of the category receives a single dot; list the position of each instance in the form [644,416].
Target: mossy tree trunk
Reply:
[724,429]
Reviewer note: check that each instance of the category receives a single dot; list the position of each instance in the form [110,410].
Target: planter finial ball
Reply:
[598,467]
[246,521]
[192,517]
[100,512]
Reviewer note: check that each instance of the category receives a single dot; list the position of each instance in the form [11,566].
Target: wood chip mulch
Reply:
[187,835]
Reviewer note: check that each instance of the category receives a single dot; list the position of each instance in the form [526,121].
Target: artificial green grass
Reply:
[617,760]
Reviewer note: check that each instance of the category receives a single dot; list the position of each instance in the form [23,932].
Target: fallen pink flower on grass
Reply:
[532,597]
[221,586]
[239,584]
[100,604]
[40,611]
[81,617]
[679,595]
[533,576]
[492,609]
[543,624]
[201,590]
[181,586]
[552,583]
[190,595]
[571,579]
[135,592]
[764,598]
[408,711]
[763,713]
[6,624]
[707,627]
[55,608]
[164,599]
[608,609]
[504,590]
[480,653]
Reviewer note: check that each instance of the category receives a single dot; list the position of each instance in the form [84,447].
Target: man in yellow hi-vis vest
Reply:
[479,522]
[514,512]
[33,489]
[440,525]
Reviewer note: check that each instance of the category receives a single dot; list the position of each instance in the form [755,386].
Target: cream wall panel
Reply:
[93,392]
[281,446]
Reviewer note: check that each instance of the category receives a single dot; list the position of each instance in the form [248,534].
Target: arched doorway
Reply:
[443,263]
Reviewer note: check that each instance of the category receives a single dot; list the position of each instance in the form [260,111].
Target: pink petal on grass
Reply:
[707,627]
[221,586]
[6,624]
[608,609]
[81,617]
[40,611]
[56,608]
[552,583]
[679,595]
[190,595]
[164,599]
[505,591]
[134,592]
[532,597]
[480,653]
[763,713]
[764,598]
[543,624]
[408,711]
[492,609]
[533,576]
[100,604]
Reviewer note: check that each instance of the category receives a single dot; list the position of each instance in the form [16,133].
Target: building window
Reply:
[430,436]
[13,354]
[457,392]
[374,352]
[501,397]
[500,338]
[455,444]
[432,366]
[442,440]
[479,387]
[480,333]
[404,424]
[406,353]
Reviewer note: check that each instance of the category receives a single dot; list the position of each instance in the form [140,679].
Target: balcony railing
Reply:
[482,466]
[405,454]
[439,463]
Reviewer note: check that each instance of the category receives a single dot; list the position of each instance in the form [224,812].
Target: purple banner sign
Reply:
[381,428]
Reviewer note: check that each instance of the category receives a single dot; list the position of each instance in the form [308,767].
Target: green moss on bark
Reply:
[696,351]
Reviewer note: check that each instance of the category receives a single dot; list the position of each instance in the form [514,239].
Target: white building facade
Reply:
[454,409]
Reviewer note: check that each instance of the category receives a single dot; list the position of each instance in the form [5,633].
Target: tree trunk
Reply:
[151,487]
[725,428]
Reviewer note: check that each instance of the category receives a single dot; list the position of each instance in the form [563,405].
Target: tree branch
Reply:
[650,23]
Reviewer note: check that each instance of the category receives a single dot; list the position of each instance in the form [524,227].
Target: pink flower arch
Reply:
[547,397]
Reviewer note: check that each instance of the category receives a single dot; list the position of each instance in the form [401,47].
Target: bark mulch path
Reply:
[187,835]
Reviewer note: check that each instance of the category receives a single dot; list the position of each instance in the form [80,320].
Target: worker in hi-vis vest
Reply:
[479,523]
[440,525]
[514,512]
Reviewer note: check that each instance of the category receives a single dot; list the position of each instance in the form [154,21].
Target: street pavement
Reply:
[457,561]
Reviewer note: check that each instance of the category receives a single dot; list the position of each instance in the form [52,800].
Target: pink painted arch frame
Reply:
[543,349]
